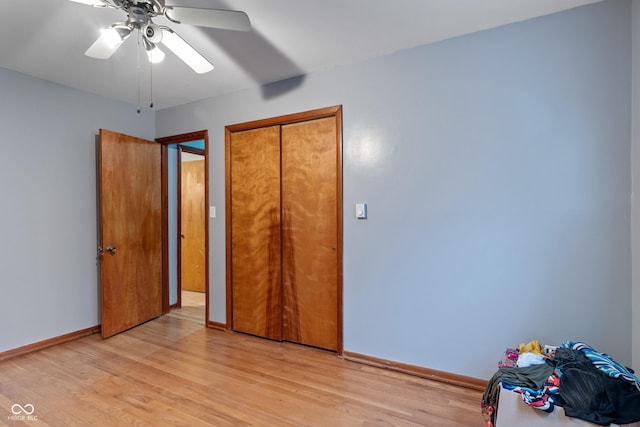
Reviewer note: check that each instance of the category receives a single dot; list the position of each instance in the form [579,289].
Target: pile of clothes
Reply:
[587,384]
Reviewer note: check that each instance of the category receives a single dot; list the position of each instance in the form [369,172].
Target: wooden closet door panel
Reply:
[309,233]
[255,232]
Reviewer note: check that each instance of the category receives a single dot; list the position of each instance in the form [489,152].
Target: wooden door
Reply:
[310,233]
[255,231]
[192,219]
[130,231]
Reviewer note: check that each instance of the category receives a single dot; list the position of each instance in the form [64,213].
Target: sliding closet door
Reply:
[255,231]
[310,232]
[284,227]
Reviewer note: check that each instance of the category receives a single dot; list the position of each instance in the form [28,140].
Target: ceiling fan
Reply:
[140,14]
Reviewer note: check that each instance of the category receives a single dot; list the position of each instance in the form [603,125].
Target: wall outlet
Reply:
[550,350]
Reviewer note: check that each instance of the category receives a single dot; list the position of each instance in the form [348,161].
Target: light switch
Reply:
[212,211]
[361,210]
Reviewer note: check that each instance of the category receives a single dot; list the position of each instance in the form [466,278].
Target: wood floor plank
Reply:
[175,372]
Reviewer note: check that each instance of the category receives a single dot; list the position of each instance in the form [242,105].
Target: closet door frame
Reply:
[335,112]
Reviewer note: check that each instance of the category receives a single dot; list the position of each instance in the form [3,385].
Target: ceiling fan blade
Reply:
[184,51]
[97,3]
[212,18]
[108,42]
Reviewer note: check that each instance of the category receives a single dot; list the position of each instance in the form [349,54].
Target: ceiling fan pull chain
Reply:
[150,84]
[138,57]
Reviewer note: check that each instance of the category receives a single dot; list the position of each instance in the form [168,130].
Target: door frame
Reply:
[200,152]
[173,140]
[334,111]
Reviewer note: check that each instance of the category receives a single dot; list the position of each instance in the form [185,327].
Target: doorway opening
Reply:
[186,228]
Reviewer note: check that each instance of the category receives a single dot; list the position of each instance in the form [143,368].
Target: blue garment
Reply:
[605,363]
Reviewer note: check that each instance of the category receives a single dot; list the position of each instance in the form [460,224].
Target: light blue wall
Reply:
[195,144]
[48,273]
[497,176]
[635,162]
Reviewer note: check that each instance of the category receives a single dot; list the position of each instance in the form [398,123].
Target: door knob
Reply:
[111,250]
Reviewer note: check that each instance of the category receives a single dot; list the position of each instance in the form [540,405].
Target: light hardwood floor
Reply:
[193,306]
[172,371]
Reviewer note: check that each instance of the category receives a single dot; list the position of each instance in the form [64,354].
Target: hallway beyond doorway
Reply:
[193,306]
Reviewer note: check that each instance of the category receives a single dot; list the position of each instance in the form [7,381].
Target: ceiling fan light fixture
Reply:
[184,51]
[140,15]
[154,53]
[109,41]
[110,37]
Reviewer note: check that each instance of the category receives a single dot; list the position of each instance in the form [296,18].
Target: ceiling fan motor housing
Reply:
[140,13]
[138,17]
[155,7]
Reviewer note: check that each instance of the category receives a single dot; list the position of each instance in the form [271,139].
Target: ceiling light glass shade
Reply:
[109,41]
[184,51]
[99,3]
[110,37]
[153,52]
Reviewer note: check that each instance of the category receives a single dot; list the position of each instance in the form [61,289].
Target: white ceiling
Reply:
[48,38]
